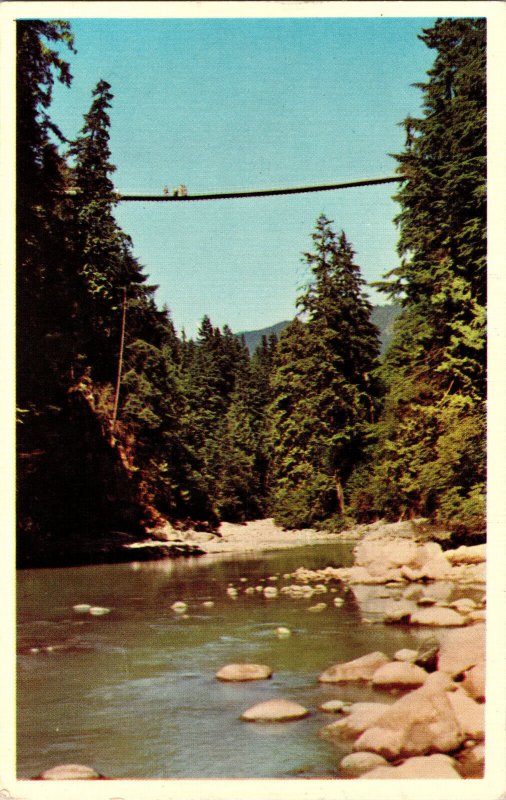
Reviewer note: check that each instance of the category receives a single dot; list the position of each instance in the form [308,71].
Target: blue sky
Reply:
[221,104]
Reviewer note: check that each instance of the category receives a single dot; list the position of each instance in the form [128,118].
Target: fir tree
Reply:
[435,368]
[325,395]
[243,456]
[43,286]
[104,256]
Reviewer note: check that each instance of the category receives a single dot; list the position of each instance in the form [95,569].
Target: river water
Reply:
[133,693]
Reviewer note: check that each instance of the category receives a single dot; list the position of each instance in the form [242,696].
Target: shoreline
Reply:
[264,535]
[255,536]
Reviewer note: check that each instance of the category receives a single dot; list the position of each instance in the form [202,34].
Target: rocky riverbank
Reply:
[255,536]
[430,721]
[436,728]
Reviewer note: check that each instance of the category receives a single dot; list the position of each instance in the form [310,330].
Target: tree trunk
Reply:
[339,494]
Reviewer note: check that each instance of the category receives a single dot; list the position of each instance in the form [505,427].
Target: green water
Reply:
[133,693]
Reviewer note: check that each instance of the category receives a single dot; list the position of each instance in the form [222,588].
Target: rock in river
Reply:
[437,617]
[474,682]
[69,772]
[433,766]
[332,706]
[421,722]
[462,649]
[361,717]
[276,710]
[406,654]
[99,611]
[399,674]
[356,764]
[360,669]
[244,672]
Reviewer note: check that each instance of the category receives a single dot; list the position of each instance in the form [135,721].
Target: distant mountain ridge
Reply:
[382,316]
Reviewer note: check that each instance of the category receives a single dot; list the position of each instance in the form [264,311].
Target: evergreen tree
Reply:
[243,459]
[431,458]
[43,284]
[325,395]
[104,256]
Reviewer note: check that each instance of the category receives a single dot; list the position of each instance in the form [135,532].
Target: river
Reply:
[132,693]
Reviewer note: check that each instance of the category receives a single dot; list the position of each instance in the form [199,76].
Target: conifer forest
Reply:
[123,424]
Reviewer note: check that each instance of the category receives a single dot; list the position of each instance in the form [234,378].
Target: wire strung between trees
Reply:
[164,198]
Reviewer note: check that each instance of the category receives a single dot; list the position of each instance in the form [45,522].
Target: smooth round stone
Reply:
[332,706]
[277,710]
[244,672]
[179,607]
[208,603]
[399,673]
[82,608]
[283,632]
[356,764]
[99,611]
[405,654]
[437,617]
[318,607]
[338,602]
[270,591]
[69,772]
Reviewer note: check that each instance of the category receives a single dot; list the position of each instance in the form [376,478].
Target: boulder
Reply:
[411,574]
[399,674]
[427,655]
[463,605]
[99,611]
[380,555]
[359,574]
[470,714]
[276,710]
[360,717]
[420,722]
[439,590]
[317,608]
[476,554]
[478,615]
[179,606]
[398,613]
[69,772]
[471,762]
[426,601]
[436,569]
[462,649]
[405,654]
[244,672]
[469,573]
[360,669]
[434,766]
[437,617]
[332,706]
[474,682]
[356,764]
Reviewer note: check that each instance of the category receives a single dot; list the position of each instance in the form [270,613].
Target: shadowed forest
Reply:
[124,425]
